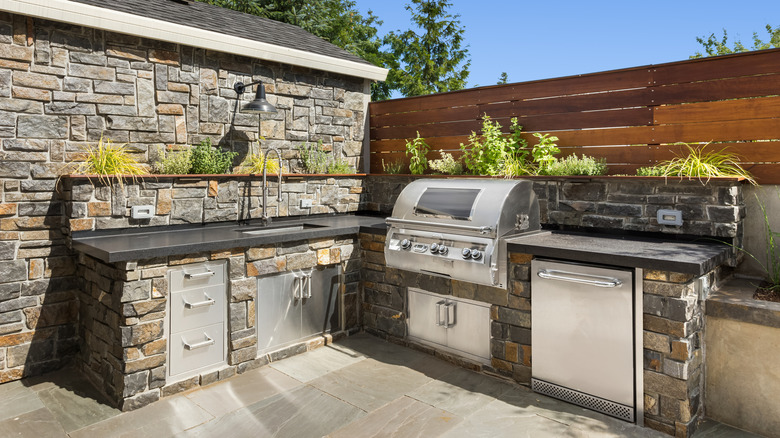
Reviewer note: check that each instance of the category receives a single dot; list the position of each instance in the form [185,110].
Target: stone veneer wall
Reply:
[123,306]
[672,329]
[63,86]
[715,209]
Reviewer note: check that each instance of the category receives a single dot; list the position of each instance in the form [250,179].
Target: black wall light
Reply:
[259,105]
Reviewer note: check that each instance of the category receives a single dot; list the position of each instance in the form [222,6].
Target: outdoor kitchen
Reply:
[591,293]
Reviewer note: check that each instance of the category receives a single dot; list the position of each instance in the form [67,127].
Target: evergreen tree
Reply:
[713,47]
[431,61]
[503,79]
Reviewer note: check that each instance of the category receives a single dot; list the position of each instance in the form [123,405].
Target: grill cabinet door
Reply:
[278,312]
[426,316]
[469,328]
[321,310]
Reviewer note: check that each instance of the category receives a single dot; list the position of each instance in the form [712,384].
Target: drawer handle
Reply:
[198,275]
[205,343]
[207,302]
[576,277]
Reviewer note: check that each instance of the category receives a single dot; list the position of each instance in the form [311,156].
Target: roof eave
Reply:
[101,18]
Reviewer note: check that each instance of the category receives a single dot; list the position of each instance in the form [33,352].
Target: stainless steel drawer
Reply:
[197,308]
[197,275]
[196,349]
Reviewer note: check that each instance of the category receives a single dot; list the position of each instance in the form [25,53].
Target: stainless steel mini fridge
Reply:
[584,336]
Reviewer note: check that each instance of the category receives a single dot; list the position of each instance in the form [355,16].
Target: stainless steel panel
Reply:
[320,311]
[278,312]
[582,329]
[457,325]
[424,319]
[470,332]
[197,308]
[196,349]
[197,275]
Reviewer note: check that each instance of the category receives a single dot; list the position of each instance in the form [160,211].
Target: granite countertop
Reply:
[695,258]
[143,243]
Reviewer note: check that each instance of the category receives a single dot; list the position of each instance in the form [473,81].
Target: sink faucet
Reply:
[265,218]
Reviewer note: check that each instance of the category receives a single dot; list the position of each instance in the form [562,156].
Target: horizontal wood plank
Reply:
[718,67]
[733,88]
[725,110]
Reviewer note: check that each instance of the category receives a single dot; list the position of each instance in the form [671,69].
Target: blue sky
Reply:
[546,38]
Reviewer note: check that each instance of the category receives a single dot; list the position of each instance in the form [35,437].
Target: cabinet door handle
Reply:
[207,302]
[197,345]
[198,275]
[439,321]
[297,288]
[450,314]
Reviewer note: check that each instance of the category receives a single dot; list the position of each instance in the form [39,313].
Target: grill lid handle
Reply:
[484,229]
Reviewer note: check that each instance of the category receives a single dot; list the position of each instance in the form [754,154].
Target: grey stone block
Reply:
[135,383]
[25,145]
[110,87]
[32,126]
[187,210]
[237,317]
[10,291]
[11,271]
[136,290]
[132,123]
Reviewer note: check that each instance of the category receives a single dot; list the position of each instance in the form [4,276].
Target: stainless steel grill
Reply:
[457,228]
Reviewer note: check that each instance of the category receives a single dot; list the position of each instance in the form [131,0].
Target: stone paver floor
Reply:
[359,387]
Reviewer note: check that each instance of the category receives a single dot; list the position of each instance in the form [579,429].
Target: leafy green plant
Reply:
[394,167]
[650,171]
[544,152]
[107,160]
[446,165]
[313,158]
[418,149]
[572,165]
[175,163]
[340,166]
[209,160]
[488,152]
[700,164]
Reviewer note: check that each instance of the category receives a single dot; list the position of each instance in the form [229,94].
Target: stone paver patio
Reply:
[359,387]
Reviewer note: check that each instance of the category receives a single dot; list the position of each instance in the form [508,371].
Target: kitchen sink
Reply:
[259,231]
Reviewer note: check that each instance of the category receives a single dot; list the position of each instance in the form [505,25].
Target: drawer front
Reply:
[197,308]
[196,349]
[197,275]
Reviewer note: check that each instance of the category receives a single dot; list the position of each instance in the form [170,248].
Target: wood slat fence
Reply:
[632,117]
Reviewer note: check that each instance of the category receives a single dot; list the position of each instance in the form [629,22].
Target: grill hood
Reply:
[459,214]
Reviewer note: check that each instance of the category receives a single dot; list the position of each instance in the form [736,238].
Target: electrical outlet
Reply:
[306,203]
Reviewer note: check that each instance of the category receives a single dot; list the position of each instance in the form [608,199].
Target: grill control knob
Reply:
[434,248]
[466,253]
[443,250]
[406,244]
[476,254]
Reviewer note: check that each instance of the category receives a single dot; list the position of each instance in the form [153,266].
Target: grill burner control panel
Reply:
[439,248]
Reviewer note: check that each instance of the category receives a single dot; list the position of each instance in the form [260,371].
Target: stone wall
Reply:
[63,86]
[715,209]
[90,205]
[672,328]
[123,306]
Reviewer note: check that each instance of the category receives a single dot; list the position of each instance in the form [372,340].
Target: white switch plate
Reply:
[306,203]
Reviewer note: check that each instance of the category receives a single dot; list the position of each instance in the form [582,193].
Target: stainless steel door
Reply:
[425,319]
[278,312]
[582,331]
[320,303]
[470,332]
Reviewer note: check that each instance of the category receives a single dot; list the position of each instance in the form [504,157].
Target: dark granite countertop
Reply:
[143,243]
[695,258]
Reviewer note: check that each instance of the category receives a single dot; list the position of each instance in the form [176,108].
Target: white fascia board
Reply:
[101,18]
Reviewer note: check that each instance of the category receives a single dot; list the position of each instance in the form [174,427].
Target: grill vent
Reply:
[586,401]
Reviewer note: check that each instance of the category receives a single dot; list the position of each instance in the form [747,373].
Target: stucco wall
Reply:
[755,226]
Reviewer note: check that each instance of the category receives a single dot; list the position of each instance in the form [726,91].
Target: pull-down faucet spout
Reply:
[265,218]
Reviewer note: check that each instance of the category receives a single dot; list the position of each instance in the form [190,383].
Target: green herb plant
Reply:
[339,166]
[108,160]
[253,163]
[700,164]
[175,163]
[572,165]
[544,152]
[313,158]
[418,150]
[446,165]
[650,171]
[394,167]
[209,160]
[489,152]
